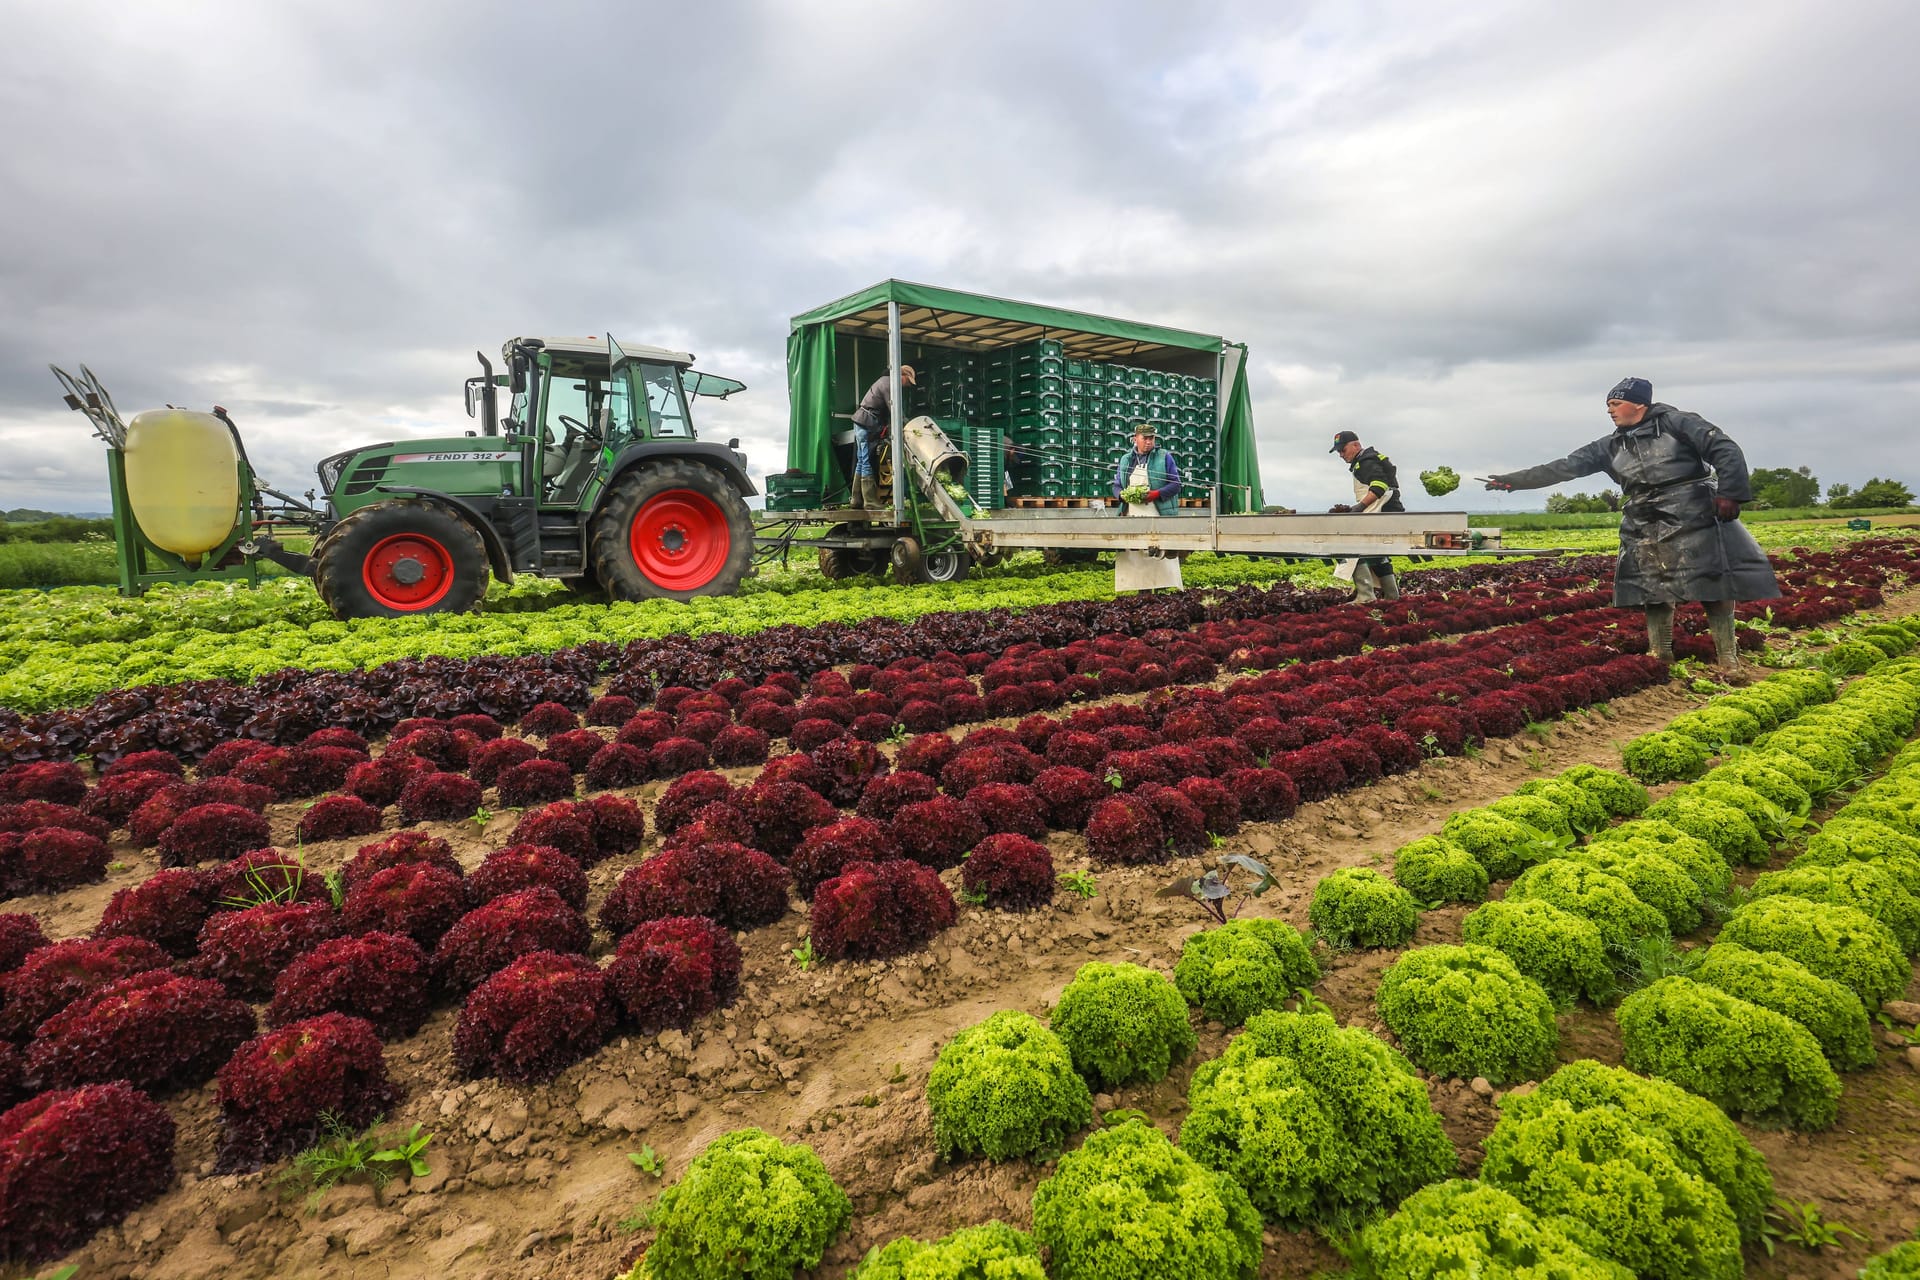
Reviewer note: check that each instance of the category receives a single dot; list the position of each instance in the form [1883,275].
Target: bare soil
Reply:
[535,1182]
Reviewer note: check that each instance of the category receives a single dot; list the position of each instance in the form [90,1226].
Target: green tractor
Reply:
[593,476]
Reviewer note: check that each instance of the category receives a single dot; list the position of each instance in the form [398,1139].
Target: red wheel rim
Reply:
[680,540]
[408,572]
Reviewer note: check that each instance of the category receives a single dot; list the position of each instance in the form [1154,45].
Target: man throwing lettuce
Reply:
[1682,481]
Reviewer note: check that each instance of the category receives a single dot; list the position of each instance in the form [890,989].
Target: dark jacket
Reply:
[1375,470]
[1673,549]
[1163,473]
[876,407]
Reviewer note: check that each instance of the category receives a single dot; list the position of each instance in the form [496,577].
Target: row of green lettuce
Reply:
[58,650]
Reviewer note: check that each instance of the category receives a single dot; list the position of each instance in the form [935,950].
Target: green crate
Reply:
[788,492]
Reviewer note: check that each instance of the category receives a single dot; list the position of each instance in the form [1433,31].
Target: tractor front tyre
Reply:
[671,530]
[397,559]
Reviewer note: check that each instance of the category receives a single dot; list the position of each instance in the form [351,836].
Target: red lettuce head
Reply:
[60,783]
[487,762]
[340,817]
[1012,872]
[53,976]
[493,935]
[938,832]
[1126,829]
[20,936]
[382,977]
[1010,807]
[686,796]
[397,850]
[74,1161]
[575,748]
[280,1089]
[247,950]
[668,972]
[877,909]
[782,813]
[617,765]
[826,851]
[49,860]
[1219,810]
[441,797]
[1069,793]
[534,1018]
[156,1030]
[534,782]
[212,833]
[417,899]
[1265,795]
[884,796]
[547,719]
[741,888]
[525,866]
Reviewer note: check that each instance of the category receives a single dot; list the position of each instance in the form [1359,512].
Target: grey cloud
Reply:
[1449,229]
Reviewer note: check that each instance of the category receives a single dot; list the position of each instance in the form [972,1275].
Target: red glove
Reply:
[1153,495]
[1725,509]
[1500,485]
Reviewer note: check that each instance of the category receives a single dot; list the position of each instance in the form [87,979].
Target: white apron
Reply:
[1345,570]
[1137,570]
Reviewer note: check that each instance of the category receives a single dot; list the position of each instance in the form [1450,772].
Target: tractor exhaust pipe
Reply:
[489,401]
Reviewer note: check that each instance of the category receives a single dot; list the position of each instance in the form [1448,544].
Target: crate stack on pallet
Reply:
[1069,420]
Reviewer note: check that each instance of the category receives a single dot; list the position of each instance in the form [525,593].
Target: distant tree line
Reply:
[52,528]
[1774,488]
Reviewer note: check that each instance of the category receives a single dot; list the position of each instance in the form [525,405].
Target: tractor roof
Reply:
[592,346]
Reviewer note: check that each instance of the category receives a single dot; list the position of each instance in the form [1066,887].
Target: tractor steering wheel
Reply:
[574,427]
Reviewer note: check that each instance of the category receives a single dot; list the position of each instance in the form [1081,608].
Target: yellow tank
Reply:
[183,479]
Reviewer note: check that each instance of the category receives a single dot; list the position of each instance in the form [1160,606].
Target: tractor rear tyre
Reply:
[671,530]
[396,559]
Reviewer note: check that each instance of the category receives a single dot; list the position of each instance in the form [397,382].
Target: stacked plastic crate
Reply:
[1026,393]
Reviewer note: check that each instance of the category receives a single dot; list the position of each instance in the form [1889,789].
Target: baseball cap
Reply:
[1342,440]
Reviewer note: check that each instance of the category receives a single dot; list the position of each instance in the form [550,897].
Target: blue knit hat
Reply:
[1632,390]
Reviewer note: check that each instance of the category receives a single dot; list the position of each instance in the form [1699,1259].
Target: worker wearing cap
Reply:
[1681,539]
[1376,487]
[870,423]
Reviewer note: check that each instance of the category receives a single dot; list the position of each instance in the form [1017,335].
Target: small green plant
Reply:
[116,866]
[268,884]
[1653,957]
[345,1156]
[974,897]
[1430,791]
[1539,730]
[1536,762]
[1800,1222]
[1305,1001]
[481,816]
[1114,779]
[64,1273]
[647,1162]
[803,954]
[337,888]
[899,1075]
[1080,882]
[1910,1034]
[897,734]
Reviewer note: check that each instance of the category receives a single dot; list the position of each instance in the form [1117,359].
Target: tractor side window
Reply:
[666,406]
[620,424]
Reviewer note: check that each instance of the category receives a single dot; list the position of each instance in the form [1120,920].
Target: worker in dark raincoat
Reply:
[1682,481]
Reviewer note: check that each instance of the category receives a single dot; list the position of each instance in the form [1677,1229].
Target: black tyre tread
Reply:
[336,565]
[611,555]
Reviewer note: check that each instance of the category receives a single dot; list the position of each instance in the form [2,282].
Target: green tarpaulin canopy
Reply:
[936,317]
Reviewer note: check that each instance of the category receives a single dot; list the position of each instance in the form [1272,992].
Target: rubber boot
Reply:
[1389,586]
[1660,631]
[1720,624]
[1363,590]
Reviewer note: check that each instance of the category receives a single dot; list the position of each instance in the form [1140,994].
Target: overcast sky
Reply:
[1449,227]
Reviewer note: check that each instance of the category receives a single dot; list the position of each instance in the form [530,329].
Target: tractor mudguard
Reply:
[714,454]
[496,549]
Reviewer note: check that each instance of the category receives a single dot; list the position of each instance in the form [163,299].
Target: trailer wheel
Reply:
[397,559]
[671,530]
[912,566]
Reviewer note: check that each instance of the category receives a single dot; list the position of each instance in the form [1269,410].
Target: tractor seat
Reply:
[574,468]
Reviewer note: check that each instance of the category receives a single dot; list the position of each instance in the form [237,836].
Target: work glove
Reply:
[1339,509]
[1500,485]
[1725,509]
[1153,495]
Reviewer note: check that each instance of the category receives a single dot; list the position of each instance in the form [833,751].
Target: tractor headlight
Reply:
[330,469]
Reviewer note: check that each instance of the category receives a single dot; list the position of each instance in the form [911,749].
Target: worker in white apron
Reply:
[1376,488]
[1152,469]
